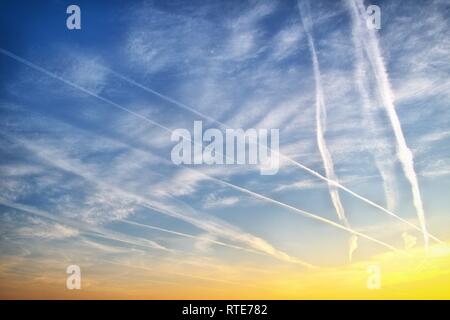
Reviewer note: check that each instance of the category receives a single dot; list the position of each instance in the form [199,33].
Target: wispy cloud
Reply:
[65,227]
[40,229]
[214,201]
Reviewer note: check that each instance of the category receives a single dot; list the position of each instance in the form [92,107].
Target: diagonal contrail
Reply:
[307,214]
[404,154]
[33,66]
[321,116]
[100,233]
[95,231]
[186,235]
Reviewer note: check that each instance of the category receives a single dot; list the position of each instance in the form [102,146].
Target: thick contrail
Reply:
[321,116]
[381,156]
[404,154]
[309,170]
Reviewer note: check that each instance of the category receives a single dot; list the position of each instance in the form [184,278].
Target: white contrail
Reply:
[386,168]
[309,170]
[186,235]
[404,154]
[321,116]
[307,214]
[384,165]
[88,229]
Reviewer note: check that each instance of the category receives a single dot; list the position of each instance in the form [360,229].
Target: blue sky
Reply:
[81,178]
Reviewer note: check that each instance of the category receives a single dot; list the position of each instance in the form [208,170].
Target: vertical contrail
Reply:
[321,116]
[381,156]
[404,154]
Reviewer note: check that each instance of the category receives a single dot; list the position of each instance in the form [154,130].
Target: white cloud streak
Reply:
[321,116]
[186,235]
[307,214]
[404,154]
[384,165]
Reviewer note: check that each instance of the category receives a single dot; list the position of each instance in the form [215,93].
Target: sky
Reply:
[86,176]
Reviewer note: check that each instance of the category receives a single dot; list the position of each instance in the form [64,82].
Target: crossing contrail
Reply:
[321,116]
[309,170]
[307,214]
[404,154]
